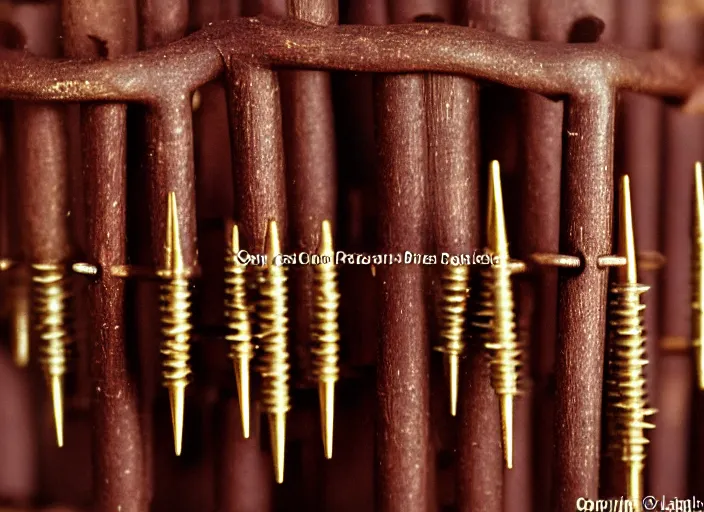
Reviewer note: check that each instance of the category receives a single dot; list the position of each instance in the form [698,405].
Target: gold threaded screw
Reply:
[453,307]
[272,310]
[175,308]
[697,281]
[51,294]
[239,331]
[326,334]
[496,317]
[627,407]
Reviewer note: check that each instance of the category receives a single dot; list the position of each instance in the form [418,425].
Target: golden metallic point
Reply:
[177,392]
[50,297]
[239,332]
[498,240]
[627,407]
[272,243]
[273,366]
[175,308]
[697,280]
[626,241]
[495,316]
[277,429]
[243,380]
[507,429]
[453,368]
[326,393]
[57,402]
[326,246]
[173,254]
[326,334]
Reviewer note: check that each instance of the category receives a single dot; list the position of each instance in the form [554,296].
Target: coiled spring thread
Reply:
[239,330]
[496,316]
[51,294]
[453,308]
[628,402]
[176,331]
[175,309]
[273,366]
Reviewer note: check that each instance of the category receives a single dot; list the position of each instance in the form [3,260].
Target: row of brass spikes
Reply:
[44,306]
[271,314]
[50,314]
[492,319]
[51,295]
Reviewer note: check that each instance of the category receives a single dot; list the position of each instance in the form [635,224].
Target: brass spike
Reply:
[326,334]
[21,322]
[51,294]
[239,331]
[495,317]
[175,308]
[272,311]
[627,404]
[455,293]
[697,266]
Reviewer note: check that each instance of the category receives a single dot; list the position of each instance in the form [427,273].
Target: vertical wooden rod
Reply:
[402,429]
[586,227]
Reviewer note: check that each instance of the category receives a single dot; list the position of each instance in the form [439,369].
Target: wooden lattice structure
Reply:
[134,133]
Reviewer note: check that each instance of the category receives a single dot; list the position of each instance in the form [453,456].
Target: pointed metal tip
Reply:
[173,254]
[273,243]
[326,392]
[507,428]
[326,246]
[234,238]
[242,377]
[453,367]
[57,400]
[277,431]
[626,238]
[177,393]
[496,220]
